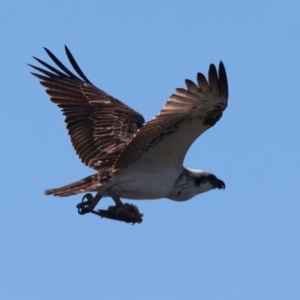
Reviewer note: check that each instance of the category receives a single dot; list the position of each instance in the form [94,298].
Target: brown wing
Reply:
[166,139]
[99,125]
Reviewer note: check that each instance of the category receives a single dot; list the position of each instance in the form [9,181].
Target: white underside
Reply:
[149,182]
[137,184]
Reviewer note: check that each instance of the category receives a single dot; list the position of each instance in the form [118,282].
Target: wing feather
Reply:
[185,116]
[202,82]
[192,87]
[213,80]
[99,125]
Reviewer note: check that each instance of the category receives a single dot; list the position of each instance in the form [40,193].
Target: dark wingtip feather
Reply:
[191,86]
[223,83]
[39,76]
[47,66]
[49,74]
[213,79]
[202,82]
[75,65]
[66,72]
[48,192]
[60,64]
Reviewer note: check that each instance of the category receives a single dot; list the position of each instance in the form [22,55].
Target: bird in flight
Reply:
[134,159]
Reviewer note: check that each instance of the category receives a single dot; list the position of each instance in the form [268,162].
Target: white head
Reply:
[205,181]
[193,182]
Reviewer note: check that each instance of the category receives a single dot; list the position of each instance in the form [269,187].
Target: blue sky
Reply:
[241,243]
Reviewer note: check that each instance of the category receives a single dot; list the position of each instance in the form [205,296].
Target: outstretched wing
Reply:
[99,125]
[166,139]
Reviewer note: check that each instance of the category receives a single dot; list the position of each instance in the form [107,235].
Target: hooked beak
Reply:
[221,184]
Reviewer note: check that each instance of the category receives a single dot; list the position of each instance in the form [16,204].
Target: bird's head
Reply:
[205,181]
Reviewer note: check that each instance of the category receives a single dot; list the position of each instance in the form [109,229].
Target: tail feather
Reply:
[84,185]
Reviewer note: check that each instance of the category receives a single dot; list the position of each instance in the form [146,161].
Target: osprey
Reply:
[134,159]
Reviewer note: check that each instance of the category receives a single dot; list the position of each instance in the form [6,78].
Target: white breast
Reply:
[144,183]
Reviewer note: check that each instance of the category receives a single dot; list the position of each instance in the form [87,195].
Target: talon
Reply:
[89,198]
[83,210]
[84,206]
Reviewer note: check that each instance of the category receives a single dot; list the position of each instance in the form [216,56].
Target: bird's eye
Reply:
[211,178]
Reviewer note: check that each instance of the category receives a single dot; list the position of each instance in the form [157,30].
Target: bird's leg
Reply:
[117,200]
[120,208]
[119,204]
[128,213]
[87,206]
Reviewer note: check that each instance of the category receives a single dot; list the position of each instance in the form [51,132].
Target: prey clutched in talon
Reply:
[127,213]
